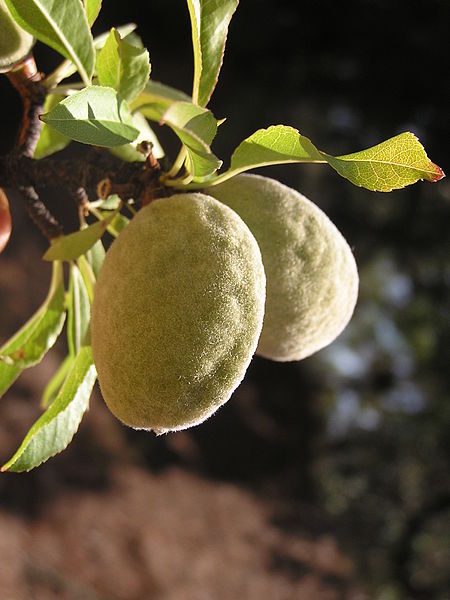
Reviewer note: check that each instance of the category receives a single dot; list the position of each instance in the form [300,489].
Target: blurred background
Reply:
[326,479]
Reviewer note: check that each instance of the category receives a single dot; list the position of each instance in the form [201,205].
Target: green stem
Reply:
[229,175]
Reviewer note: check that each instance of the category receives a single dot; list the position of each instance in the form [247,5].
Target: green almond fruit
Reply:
[15,43]
[177,312]
[312,279]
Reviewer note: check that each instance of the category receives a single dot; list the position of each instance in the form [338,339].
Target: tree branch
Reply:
[96,175]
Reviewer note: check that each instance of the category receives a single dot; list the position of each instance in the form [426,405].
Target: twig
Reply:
[28,82]
[40,215]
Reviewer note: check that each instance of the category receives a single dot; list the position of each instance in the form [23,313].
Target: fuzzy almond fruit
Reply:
[312,279]
[177,312]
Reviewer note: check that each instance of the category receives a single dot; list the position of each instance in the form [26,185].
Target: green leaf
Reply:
[192,118]
[129,152]
[50,140]
[123,66]
[92,8]
[79,311]
[196,128]
[276,145]
[95,115]
[29,345]
[87,272]
[61,25]
[96,256]
[55,383]
[391,165]
[209,20]
[54,430]
[66,68]
[73,245]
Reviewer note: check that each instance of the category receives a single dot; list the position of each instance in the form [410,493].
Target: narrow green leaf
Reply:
[73,245]
[210,20]
[129,152]
[61,25]
[92,8]
[29,345]
[391,165]
[54,385]
[123,66]
[95,115]
[79,311]
[54,430]
[87,272]
[50,140]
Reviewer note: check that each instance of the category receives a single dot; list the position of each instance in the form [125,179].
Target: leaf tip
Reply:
[438,173]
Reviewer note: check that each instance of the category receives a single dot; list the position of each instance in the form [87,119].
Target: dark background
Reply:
[321,479]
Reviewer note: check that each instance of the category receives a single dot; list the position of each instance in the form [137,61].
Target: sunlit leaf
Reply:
[54,430]
[96,115]
[391,165]
[50,140]
[209,21]
[276,145]
[30,344]
[73,245]
[61,25]
[66,69]
[123,66]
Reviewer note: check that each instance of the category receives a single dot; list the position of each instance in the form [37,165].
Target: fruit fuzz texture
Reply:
[177,312]
[15,43]
[312,280]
